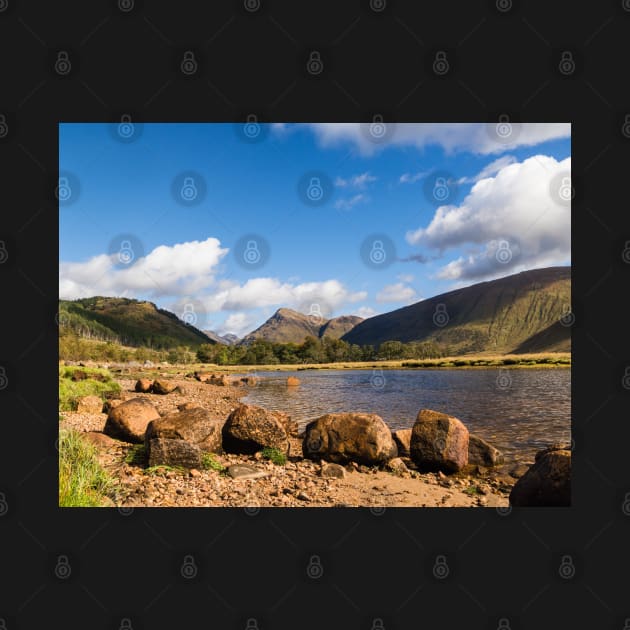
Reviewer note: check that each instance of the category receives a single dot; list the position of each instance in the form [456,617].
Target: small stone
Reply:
[302,496]
[333,470]
[243,471]
[194,473]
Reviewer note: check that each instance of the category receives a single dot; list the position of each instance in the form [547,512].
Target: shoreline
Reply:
[560,360]
[298,483]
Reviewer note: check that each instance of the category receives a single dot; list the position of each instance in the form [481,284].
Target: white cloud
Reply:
[514,211]
[477,138]
[365,312]
[412,178]
[405,277]
[261,292]
[491,169]
[238,324]
[181,269]
[398,292]
[356,181]
[347,204]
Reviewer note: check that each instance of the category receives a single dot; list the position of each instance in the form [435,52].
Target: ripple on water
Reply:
[519,410]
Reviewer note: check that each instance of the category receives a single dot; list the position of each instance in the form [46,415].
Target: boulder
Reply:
[332,470]
[481,453]
[128,421]
[292,381]
[344,437]
[161,386]
[558,446]
[100,440]
[181,390]
[439,442]
[546,483]
[250,380]
[193,425]
[143,385]
[165,452]
[402,437]
[249,429]
[90,404]
[203,377]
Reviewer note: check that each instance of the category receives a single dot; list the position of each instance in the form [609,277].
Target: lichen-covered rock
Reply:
[250,428]
[343,437]
[439,442]
[128,421]
[481,453]
[193,425]
[165,452]
[546,483]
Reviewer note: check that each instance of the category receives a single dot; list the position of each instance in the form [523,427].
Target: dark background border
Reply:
[376,566]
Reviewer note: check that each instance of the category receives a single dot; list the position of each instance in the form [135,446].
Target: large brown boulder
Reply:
[165,452]
[346,437]
[143,385]
[128,421]
[161,386]
[481,453]
[439,442]
[249,429]
[402,437]
[193,425]
[546,483]
[90,404]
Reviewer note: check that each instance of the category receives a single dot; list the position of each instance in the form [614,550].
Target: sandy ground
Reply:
[297,484]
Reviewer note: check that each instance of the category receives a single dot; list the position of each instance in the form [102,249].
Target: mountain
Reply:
[517,313]
[287,325]
[339,326]
[227,340]
[128,322]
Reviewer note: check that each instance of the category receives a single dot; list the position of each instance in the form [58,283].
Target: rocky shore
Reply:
[188,441]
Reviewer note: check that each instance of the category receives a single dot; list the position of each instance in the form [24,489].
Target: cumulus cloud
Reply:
[347,204]
[477,138]
[263,292]
[399,292]
[356,181]
[181,269]
[509,222]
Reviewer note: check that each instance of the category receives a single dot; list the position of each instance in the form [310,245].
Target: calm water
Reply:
[519,411]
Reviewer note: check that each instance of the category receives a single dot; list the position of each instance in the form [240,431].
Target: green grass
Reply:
[137,455]
[82,480]
[275,455]
[471,490]
[210,462]
[94,382]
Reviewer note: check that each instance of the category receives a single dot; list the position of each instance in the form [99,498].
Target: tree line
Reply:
[315,350]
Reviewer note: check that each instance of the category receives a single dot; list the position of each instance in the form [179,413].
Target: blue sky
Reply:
[230,223]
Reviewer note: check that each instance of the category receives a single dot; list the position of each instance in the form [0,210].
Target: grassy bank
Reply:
[76,382]
[479,361]
[82,480]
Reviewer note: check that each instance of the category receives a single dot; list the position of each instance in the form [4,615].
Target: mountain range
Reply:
[287,325]
[518,313]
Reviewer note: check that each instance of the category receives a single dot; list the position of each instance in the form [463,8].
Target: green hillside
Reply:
[127,322]
[518,313]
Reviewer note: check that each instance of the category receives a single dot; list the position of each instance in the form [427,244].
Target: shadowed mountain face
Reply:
[518,313]
[288,326]
[129,322]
